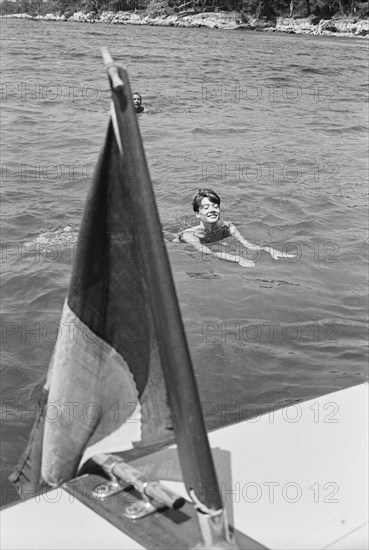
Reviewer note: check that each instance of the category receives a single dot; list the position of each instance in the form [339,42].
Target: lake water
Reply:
[276,124]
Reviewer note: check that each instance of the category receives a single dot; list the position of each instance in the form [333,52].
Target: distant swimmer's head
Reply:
[137,102]
[206,205]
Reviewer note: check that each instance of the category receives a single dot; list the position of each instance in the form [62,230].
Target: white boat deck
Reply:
[293,479]
[303,474]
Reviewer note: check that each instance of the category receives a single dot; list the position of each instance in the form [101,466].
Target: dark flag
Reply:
[105,390]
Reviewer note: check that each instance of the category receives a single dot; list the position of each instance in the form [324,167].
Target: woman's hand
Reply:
[276,254]
[246,263]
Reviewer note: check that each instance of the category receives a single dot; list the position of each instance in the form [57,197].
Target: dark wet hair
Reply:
[202,194]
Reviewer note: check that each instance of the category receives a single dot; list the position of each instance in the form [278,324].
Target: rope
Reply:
[201,507]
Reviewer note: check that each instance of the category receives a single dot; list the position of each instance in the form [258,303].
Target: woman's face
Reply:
[136,100]
[209,212]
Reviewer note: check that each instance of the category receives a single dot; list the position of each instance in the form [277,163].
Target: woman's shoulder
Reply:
[191,233]
[227,227]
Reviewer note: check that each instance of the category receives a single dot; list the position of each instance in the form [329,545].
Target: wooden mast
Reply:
[194,451]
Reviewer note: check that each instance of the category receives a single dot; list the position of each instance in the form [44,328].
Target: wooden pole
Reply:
[193,446]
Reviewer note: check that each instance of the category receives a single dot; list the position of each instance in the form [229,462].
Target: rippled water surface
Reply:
[277,124]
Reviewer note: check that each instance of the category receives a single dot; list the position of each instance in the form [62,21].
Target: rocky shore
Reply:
[345,26]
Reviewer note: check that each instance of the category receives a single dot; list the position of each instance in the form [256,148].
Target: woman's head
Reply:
[137,101]
[202,194]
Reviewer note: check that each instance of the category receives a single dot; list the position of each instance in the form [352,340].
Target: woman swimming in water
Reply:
[206,205]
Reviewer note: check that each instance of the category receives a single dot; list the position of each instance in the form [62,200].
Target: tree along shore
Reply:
[343,17]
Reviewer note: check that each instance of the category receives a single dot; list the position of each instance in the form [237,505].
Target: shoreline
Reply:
[344,26]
